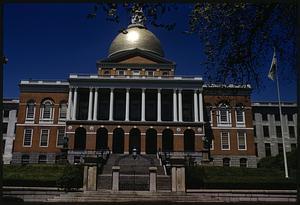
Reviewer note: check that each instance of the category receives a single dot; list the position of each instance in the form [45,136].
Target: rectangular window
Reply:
[121,72]
[266,131]
[3,146]
[280,148]
[223,115]
[212,145]
[27,137]
[268,149]
[44,137]
[4,127]
[278,131]
[6,113]
[293,146]
[30,111]
[254,131]
[277,117]
[240,116]
[242,141]
[290,117]
[264,117]
[256,151]
[292,131]
[150,73]
[60,137]
[225,141]
[63,111]
[15,128]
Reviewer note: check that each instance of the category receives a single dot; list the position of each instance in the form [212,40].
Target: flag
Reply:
[272,70]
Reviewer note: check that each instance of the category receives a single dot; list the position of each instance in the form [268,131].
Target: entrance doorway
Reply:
[151,141]
[118,141]
[135,140]
[167,140]
[189,140]
[101,140]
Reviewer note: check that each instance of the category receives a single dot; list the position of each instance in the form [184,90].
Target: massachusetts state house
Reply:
[134,100]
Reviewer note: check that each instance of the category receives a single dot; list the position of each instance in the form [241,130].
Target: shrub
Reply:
[72,177]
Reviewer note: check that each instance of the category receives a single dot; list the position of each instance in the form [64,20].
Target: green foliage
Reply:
[236,177]
[278,162]
[44,175]
[72,177]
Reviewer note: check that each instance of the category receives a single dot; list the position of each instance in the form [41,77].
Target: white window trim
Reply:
[59,118]
[228,141]
[47,120]
[30,120]
[243,123]
[47,137]
[227,123]
[30,138]
[238,140]
[212,147]
[57,139]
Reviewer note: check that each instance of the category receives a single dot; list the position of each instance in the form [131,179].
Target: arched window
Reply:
[240,115]
[63,110]
[189,140]
[226,162]
[30,110]
[243,162]
[46,110]
[25,159]
[224,117]
[42,159]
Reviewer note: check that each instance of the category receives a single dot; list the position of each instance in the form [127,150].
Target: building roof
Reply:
[136,36]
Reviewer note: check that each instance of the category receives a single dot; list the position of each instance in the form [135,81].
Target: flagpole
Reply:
[283,141]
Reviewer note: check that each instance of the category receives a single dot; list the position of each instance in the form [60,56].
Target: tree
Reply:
[238,37]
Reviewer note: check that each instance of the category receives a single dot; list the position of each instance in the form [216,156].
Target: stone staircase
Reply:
[134,173]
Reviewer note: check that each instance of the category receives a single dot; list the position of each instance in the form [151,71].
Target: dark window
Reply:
[256,151]
[77,160]
[290,117]
[293,146]
[15,128]
[254,130]
[280,148]
[268,149]
[42,159]
[226,162]
[106,72]
[292,131]
[4,129]
[278,131]
[165,73]
[25,159]
[3,146]
[277,117]
[266,131]
[264,117]
[6,113]
[243,162]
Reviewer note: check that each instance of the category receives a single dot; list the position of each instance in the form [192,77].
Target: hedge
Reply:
[237,178]
[43,175]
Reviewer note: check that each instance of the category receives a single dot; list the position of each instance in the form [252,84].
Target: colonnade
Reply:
[93,104]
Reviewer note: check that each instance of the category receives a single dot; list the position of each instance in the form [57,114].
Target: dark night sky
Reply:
[50,41]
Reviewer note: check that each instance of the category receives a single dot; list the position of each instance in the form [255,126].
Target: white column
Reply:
[179,106]
[174,106]
[90,104]
[69,104]
[195,106]
[95,104]
[127,105]
[111,104]
[158,105]
[200,106]
[143,105]
[75,104]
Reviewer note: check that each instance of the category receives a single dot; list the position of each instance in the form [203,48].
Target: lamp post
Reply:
[134,156]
